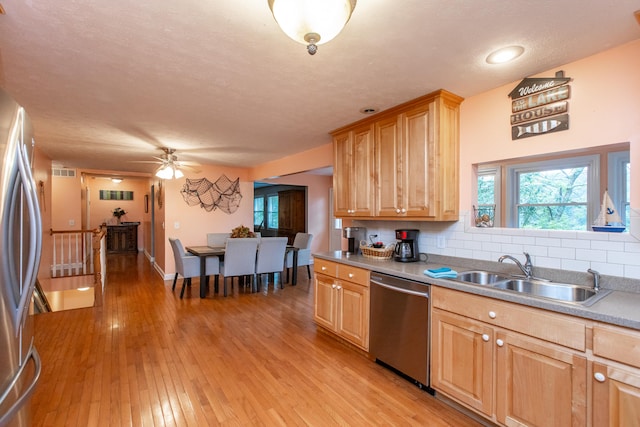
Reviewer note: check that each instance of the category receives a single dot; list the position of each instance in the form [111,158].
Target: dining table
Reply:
[203,252]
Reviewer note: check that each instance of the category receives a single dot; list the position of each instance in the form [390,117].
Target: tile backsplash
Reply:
[613,254]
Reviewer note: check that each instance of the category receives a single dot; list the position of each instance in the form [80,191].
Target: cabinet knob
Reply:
[397,210]
[324,268]
[333,286]
[403,210]
[338,287]
[485,337]
[350,275]
[499,342]
[599,376]
[492,314]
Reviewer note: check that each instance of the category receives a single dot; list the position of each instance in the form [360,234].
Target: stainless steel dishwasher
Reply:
[399,326]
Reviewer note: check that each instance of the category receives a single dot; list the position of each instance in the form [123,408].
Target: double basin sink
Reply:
[534,287]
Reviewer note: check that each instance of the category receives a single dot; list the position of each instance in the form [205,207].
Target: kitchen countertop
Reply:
[620,307]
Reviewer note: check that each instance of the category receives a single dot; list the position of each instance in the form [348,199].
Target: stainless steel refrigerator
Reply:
[20,249]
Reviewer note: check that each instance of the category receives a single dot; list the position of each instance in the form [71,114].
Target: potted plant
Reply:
[118,213]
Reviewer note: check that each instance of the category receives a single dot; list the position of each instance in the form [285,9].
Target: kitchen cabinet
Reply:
[415,156]
[353,184]
[512,364]
[615,377]
[341,301]
[291,213]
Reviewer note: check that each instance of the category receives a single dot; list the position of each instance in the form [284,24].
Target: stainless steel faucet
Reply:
[596,279]
[527,268]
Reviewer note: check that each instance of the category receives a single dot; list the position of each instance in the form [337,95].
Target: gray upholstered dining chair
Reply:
[270,258]
[217,239]
[188,266]
[239,260]
[302,241]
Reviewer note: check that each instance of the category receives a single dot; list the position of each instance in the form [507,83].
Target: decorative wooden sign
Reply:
[553,124]
[539,106]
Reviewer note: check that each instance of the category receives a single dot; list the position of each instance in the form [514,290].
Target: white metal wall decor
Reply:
[223,194]
[539,106]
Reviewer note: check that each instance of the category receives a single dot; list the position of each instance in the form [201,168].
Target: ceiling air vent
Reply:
[66,173]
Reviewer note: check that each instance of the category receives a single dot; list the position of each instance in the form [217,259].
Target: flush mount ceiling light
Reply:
[505,54]
[312,22]
[116,180]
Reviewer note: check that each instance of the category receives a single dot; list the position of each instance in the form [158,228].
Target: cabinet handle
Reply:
[499,342]
[485,337]
[492,314]
[599,376]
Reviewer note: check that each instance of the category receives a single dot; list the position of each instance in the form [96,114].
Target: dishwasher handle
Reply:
[424,294]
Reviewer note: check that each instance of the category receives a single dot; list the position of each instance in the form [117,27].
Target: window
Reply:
[553,195]
[272,211]
[619,180]
[258,212]
[563,193]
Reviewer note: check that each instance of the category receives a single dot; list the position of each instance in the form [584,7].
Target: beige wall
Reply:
[604,108]
[42,178]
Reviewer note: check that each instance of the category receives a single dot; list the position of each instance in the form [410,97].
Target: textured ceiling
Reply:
[109,82]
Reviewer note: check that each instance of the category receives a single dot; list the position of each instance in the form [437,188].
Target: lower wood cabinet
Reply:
[615,377]
[341,301]
[510,377]
[122,237]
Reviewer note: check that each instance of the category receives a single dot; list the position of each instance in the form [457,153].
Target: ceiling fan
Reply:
[170,167]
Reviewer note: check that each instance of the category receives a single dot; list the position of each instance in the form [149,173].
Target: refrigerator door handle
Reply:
[35,231]
[7,416]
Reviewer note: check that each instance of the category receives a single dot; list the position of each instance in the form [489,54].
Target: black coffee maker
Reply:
[407,247]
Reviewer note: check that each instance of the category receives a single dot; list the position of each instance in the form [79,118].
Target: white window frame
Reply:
[497,199]
[617,181]
[593,184]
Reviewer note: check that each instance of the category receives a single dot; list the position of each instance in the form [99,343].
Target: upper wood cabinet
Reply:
[353,185]
[413,164]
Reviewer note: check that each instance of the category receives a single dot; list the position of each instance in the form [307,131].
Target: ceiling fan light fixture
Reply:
[169,171]
[505,54]
[312,22]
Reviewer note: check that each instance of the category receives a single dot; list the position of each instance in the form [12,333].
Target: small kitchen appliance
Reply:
[354,235]
[407,247]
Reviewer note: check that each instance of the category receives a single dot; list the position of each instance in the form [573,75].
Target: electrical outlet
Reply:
[72,222]
[441,242]
[176,225]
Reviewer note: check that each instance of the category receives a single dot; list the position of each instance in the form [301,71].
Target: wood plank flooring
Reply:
[147,358]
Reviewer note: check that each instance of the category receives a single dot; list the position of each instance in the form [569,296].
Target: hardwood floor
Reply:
[148,358]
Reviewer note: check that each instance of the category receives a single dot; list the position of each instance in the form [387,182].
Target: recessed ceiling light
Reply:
[505,54]
[368,110]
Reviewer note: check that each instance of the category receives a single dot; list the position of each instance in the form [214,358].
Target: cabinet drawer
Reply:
[325,267]
[353,274]
[552,327]
[619,344]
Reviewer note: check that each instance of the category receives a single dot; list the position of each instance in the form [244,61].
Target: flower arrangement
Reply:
[118,212]
[242,231]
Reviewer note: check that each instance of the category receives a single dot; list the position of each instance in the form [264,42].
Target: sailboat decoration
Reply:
[608,219]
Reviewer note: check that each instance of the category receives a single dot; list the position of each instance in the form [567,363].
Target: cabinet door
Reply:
[538,384]
[462,359]
[419,163]
[341,174]
[362,172]
[616,396]
[388,150]
[353,313]
[325,301]
[353,172]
